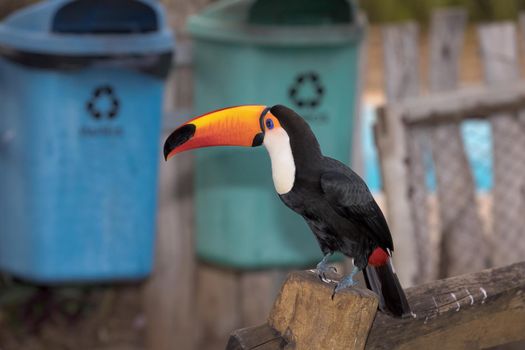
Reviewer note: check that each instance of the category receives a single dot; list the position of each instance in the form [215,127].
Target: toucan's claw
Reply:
[345,282]
[322,269]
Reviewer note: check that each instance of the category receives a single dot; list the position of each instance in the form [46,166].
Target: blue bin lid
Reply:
[36,29]
[280,23]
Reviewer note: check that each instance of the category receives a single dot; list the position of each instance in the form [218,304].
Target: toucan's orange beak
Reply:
[234,126]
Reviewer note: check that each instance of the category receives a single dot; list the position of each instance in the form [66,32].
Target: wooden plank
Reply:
[169,296]
[426,257]
[446,40]
[499,53]
[446,43]
[478,102]
[258,290]
[473,311]
[461,228]
[401,57]
[308,318]
[218,306]
[402,80]
[261,337]
[169,299]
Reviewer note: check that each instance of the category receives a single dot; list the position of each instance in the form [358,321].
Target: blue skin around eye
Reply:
[269,124]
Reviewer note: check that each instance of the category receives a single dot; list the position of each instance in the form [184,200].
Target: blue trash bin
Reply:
[81,87]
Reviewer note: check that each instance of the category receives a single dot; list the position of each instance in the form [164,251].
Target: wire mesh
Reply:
[467,193]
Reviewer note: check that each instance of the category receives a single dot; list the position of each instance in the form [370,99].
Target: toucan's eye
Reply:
[269,124]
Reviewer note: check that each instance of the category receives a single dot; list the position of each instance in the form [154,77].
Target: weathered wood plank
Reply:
[473,311]
[218,306]
[426,257]
[402,81]
[261,337]
[308,318]
[460,224]
[169,299]
[499,53]
[401,59]
[452,107]
[258,290]
[446,41]
[168,294]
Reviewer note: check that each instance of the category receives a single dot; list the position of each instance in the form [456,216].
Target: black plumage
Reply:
[334,200]
[340,210]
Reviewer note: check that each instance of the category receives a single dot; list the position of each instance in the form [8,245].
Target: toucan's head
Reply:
[250,126]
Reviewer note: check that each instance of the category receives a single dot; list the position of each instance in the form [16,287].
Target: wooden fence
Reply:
[479,310]
[453,229]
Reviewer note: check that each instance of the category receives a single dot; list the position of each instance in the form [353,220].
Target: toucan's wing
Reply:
[349,196]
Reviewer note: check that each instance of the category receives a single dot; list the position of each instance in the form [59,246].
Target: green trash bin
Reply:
[303,54]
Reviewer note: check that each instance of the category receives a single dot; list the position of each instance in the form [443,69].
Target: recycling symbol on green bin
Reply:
[104,103]
[307,90]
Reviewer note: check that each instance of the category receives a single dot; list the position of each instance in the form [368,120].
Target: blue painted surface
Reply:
[78,194]
[30,30]
[77,190]
[477,139]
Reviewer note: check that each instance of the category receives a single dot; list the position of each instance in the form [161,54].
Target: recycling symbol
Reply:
[307,90]
[104,103]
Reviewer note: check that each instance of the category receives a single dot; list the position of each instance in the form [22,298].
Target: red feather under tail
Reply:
[381,278]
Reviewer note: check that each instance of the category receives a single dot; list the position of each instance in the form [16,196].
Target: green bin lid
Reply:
[279,22]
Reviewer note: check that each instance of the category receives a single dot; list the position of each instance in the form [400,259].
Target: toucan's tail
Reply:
[384,282]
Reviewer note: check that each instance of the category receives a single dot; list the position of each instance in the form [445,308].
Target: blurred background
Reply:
[105,246]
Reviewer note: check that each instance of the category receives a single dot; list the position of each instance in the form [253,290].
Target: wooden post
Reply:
[475,311]
[460,224]
[499,53]
[446,41]
[169,295]
[308,318]
[305,316]
[402,81]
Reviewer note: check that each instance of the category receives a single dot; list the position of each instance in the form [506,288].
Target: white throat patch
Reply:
[277,144]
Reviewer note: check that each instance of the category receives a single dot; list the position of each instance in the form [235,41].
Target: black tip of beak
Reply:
[177,138]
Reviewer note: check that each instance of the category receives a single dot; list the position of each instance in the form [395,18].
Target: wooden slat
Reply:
[258,290]
[426,257]
[169,295]
[218,306]
[460,224]
[451,107]
[499,53]
[446,41]
[261,337]
[401,57]
[402,81]
[169,299]
[473,311]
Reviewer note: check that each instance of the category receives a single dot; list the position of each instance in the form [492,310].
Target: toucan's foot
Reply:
[345,282]
[323,268]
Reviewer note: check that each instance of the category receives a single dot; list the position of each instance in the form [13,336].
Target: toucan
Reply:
[335,202]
